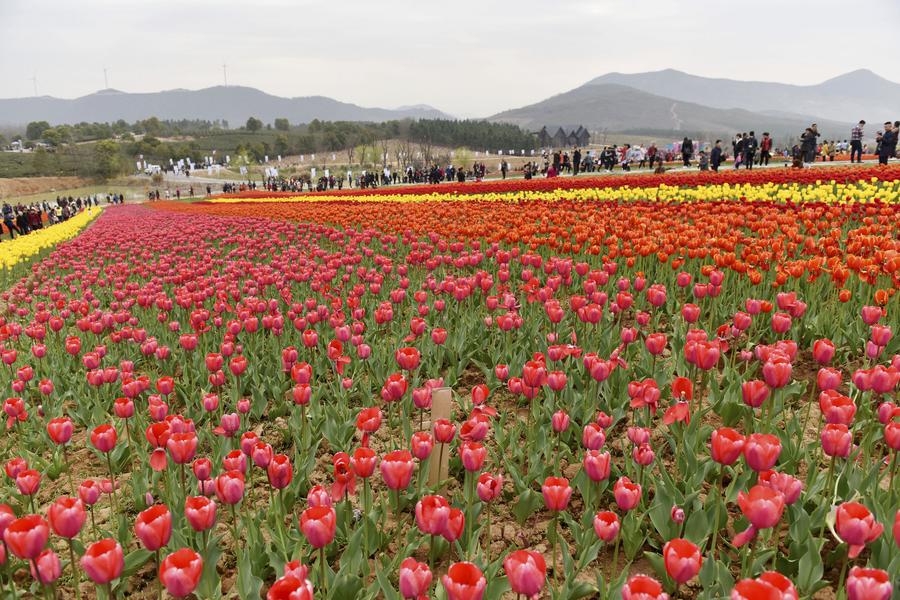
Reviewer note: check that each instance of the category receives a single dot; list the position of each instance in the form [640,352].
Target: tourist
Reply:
[765,149]
[888,142]
[856,136]
[715,157]
[750,145]
[687,150]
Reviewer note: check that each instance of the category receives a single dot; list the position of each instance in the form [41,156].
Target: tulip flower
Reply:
[464,581]
[626,493]
[289,587]
[180,572]
[415,579]
[103,562]
[761,451]
[856,526]
[763,507]
[682,559]
[526,572]
[154,527]
[643,587]
[869,584]
[66,517]
[27,536]
[606,525]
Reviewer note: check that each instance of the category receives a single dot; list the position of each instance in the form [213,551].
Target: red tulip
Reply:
[27,536]
[182,447]
[597,465]
[682,559]
[856,526]
[643,587]
[103,438]
[200,512]
[103,561]
[397,469]
[472,455]
[230,487]
[318,524]
[823,351]
[415,579]
[28,482]
[180,572]
[626,493]
[754,393]
[46,568]
[489,487]
[556,493]
[836,440]
[421,444]
[606,525]
[432,514]
[280,471]
[60,430]
[455,525]
[761,451]
[526,572]
[727,445]
[444,431]
[869,584]
[154,527]
[763,507]
[464,581]
[66,516]
[755,589]
[408,358]
[781,583]
[289,587]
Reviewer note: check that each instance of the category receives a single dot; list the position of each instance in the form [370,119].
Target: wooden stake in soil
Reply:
[440,409]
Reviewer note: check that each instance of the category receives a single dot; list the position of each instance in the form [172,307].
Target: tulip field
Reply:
[660,386]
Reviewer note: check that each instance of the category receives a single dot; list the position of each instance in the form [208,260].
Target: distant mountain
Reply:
[847,98]
[234,104]
[620,108]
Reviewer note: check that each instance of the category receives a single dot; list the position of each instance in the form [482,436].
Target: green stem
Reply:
[112,484]
[841,592]
[158,580]
[76,573]
[322,568]
[715,537]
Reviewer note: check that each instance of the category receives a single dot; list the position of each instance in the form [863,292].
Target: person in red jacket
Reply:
[765,149]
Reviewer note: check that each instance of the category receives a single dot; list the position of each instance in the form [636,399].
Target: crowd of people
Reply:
[22,219]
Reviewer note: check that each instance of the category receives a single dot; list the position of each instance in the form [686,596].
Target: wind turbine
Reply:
[225,72]
[105,80]
[33,79]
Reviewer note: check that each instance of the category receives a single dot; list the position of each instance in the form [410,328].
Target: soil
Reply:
[23,186]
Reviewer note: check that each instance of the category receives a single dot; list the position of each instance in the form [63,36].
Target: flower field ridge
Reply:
[15,251]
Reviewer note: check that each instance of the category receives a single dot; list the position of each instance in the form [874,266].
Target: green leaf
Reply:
[697,527]
[209,586]
[581,589]
[529,501]
[134,561]
[248,584]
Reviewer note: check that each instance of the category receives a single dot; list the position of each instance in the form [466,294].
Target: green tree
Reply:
[151,126]
[107,159]
[35,130]
[282,124]
[281,144]
[253,124]
[57,136]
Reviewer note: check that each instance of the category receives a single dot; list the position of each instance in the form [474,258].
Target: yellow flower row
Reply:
[15,251]
[861,191]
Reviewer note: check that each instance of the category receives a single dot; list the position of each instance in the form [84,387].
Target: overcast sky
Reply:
[469,58]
